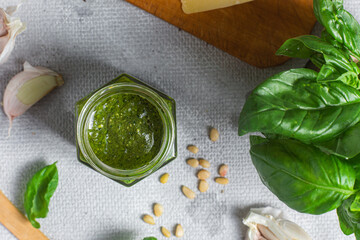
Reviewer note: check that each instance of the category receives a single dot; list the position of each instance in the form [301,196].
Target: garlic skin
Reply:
[10,27]
[28,87]
[354,59]
[266,224]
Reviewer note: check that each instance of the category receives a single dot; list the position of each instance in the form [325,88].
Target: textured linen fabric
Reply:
[92,42]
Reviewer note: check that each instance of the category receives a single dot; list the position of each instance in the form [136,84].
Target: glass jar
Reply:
[125,84]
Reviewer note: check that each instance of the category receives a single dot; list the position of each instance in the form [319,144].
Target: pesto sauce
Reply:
[125,131]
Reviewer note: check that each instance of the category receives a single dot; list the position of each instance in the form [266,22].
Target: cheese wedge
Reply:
[194,6]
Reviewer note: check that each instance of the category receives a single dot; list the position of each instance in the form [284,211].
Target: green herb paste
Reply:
[125,131]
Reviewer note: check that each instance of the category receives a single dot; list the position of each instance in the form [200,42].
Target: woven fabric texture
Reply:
[92,42]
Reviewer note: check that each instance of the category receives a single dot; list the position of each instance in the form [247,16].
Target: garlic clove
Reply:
[10,27]
[28,87]
[266,233]
[294,230]
[264,226]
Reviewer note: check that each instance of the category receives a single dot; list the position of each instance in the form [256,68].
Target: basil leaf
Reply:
[355,205]
[339,23]
[346,145]
[347,223]
[303,177]
[39,190]
[150,238]
[257,140]
[328,38]
[351,79]
[318,60]
[328,72]
[294,105]
[307,46]
[349,220]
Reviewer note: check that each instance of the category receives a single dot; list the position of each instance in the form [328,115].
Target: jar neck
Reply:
[168,124]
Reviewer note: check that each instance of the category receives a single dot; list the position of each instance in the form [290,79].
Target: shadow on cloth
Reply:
[241,213]
[118,235]
[81,77]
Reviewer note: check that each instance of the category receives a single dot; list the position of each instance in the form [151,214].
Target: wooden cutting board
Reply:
[251,31]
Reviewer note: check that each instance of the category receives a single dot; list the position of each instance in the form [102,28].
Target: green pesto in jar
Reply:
[125,131]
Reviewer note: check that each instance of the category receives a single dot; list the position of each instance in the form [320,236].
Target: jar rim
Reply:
[150,95]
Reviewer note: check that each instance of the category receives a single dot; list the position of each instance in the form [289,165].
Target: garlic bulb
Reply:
[10,27]
[28,87]
[266,224]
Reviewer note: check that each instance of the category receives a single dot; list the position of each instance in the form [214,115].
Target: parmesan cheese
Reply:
[194,6]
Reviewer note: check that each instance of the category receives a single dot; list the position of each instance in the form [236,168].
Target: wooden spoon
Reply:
[16,222]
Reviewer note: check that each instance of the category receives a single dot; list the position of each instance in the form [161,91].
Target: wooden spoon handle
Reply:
[16,222]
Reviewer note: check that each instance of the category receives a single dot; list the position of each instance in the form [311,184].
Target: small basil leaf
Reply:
[355,163]
[295,105]
[349,220]
[303,177]
[351,79]
[254,140]
[328,38]
[346,223]
[339,23]
[355,205]
[318,60]
[346,145]
[273,136]
[39,190]
[328,72]
[150,238]
[307,46]
[296,48]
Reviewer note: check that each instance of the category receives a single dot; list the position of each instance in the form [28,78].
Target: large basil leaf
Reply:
[308,46]
[339,23]
[346,145]
[39,190]
[293,104]
[303,177]
[349,220]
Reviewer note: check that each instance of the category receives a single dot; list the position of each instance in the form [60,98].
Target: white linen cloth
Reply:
[92,42]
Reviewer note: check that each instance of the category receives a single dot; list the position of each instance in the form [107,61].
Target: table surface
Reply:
[92,42]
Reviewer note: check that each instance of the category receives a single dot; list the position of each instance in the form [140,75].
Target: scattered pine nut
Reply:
[158,209]
[165,232]
[164,178]
[223,170]
[222,180]
[193,162]
[204,163]
[188,192]
[203,174]
[214,134]
[179,231]
[149,219]
[203,186]
[193,149]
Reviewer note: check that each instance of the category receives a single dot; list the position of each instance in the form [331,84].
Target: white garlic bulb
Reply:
[266,224]
[10,27]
